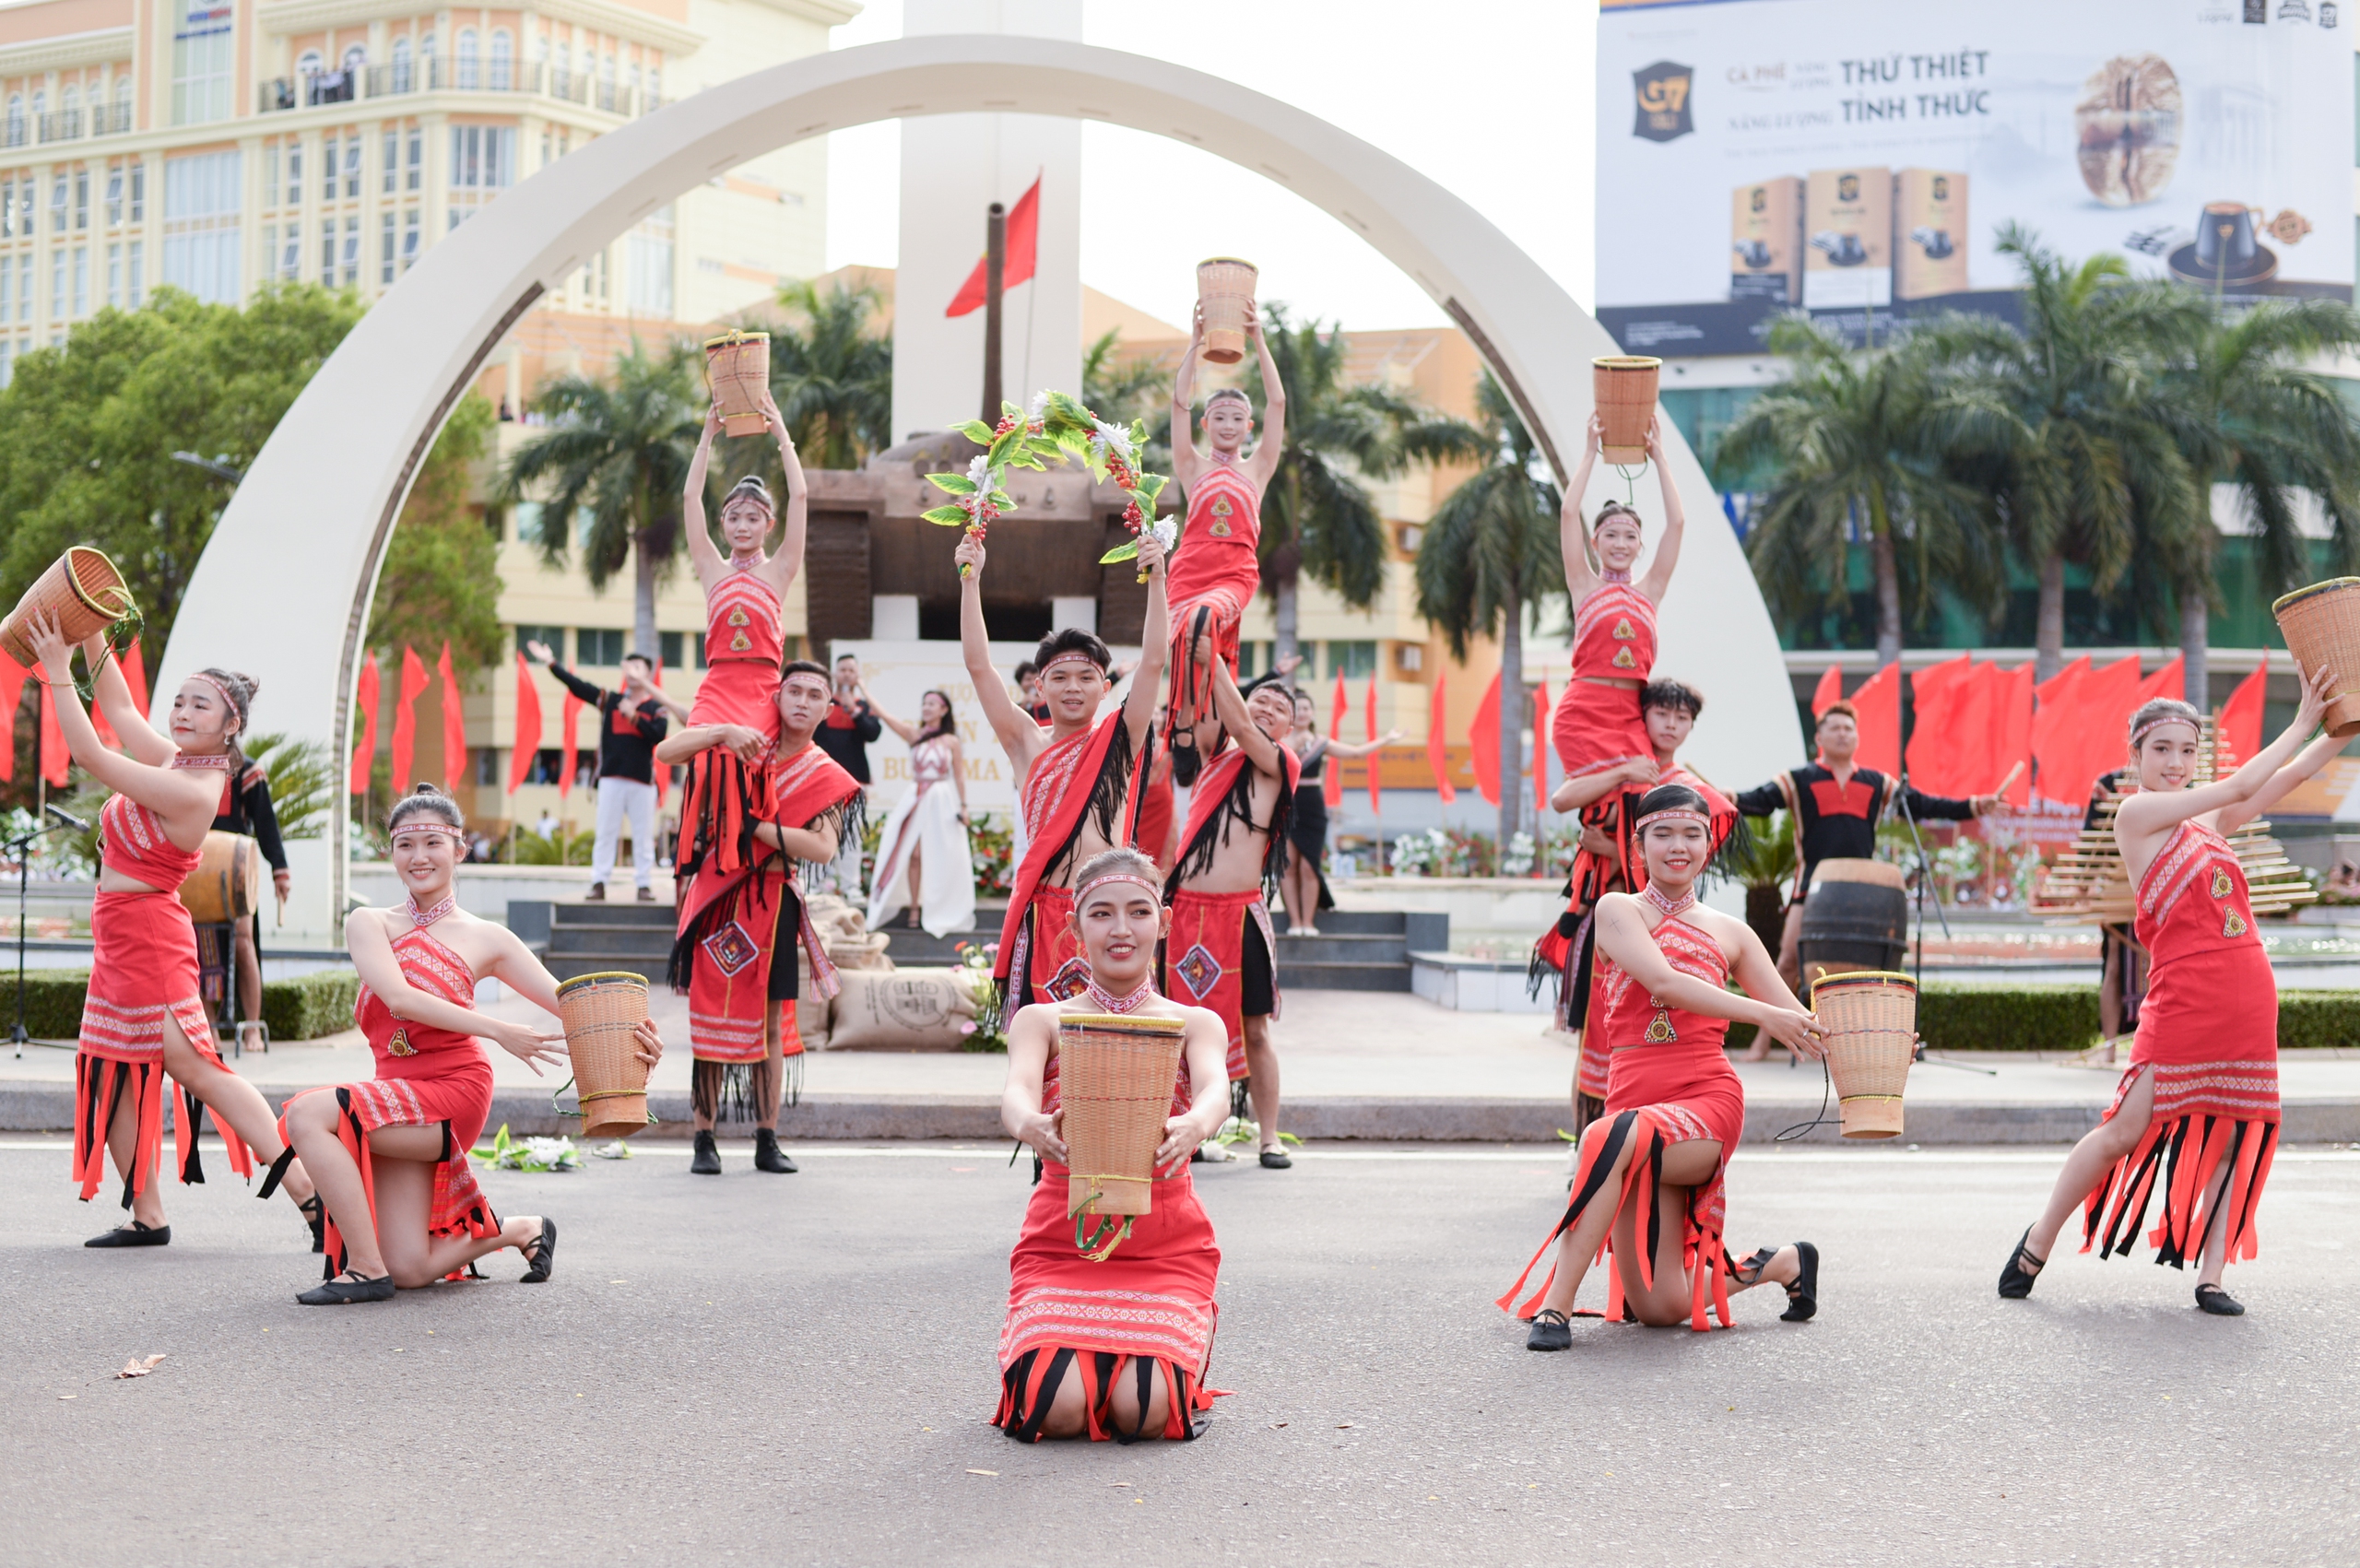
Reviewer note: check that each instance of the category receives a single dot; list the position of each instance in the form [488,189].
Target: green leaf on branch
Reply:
[957,484]
[949,517]
[976,431]
[1121,552]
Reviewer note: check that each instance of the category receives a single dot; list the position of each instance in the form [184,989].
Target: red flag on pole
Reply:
[1437,746]
[54,756]
[365,700]
[1332,785]
[2090,732]
[2010,727]
[134,675]
[1828,692]
[1375,794]
[406,717]
[1946,745]
[569,725]
[1484,740]
[1879,704]
[2239,722]
[1540,757]
[1016,264]
[2169,681]
[528,726]
[455,725]
[2053,708]
[12,693]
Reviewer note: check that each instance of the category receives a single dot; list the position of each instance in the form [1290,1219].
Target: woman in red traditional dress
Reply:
[2195,1119]
[1651,1184]
[1217,567]
[143,1017]
[1115,1346]
[745,594]
[390,1154]
[1597,722]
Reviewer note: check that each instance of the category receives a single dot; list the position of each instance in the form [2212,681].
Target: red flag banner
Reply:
[1015,265]
[1437,743]
[1484,740]
[54,756]
[2008,725]
[364,701]
[12,693]
[528,726]
[1828,692]
[2239,724]
[134,675]
[2053,711]
[406,717]
[1540,758]
[1332,784]
[1946,743]
[1375,794]
[455,726]
[1878,703]
[2169,681]
[2079,730]
[569,726]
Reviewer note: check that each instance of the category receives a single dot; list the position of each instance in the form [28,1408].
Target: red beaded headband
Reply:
[1116,876]
[2140,734]
[1070,653]
[1674,814]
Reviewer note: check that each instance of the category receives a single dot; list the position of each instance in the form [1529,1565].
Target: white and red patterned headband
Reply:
[2139,736]
[1154,891]
[227,701]
[1069,654]
[1674,814]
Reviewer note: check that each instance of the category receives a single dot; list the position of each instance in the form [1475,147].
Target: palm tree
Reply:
[831,377]
[1854,445]
[1489,552]
[616,457]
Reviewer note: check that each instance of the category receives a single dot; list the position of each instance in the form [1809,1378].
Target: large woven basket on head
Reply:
[1225,289]
[1623,385]
[1114,1078]
[82,589]
[737,365]
[1871,1020]
[599,1012]
[2322,627]
[225,886]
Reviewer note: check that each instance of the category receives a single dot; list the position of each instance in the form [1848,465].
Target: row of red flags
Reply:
[1482,736]
[1976,722]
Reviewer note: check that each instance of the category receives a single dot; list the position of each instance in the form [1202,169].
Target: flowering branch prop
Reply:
[1056,428]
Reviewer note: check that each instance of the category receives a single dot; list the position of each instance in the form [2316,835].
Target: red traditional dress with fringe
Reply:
[1597,722]
[2208,1032]
[730,922]
[143,965]
[1152,1300]
[1213,576]
[1085,775]
[725,796]
[1669,1083]
[425,1074]
[1205,951]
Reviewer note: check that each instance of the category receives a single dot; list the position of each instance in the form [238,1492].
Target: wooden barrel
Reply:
[2322,628]
[1871,1022]
[1623,386]
[1856,917]
[227,885]
[738,367]
[600,1013]
[82,589]
[1115,1075]
[1225,289]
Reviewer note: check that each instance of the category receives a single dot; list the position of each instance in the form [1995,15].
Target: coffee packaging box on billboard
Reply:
[1847,228]
[1767,241]
[1929,233]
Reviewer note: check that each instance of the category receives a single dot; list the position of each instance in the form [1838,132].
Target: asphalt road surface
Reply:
[793,1370]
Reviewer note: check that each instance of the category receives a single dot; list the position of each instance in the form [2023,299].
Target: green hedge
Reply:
[303,1008]
[2065,1017]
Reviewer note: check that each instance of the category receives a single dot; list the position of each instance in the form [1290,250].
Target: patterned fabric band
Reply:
[1083,896]
[1674,814]
[1669,907]
[429,916]
[1107,1001]
[1608,574]
[218,759]
[2139,736]
[1070,653]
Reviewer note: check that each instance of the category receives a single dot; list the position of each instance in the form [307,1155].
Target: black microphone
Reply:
[68,818]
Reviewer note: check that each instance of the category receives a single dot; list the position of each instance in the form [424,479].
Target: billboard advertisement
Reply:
[1857,159]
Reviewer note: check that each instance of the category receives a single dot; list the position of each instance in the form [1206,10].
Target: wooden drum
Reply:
[82,589]
[599,1012]
[1856,917]
[1225,289]
[1115,1075]
[1623,385]
[2322,627]
[1871,1020]
[738,367]
[227,885]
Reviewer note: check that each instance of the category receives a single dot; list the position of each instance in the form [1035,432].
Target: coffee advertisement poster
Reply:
[1858,159]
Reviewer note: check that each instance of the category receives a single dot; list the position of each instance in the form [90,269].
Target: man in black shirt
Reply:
[1834,808]
[630,724]
[845,733]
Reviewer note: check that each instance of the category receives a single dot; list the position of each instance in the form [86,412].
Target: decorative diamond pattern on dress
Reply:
[1625,659]
[2220,882]
[1199,971]
[2235,925]
[1070,980]
[731,948]
[1661,1032]
[399,1044]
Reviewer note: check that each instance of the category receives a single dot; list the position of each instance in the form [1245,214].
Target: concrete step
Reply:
[611,939]
[623,911]
[1336,976]
[1330,947]
[566,965]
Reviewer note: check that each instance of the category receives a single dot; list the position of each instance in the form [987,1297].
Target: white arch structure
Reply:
[284,587]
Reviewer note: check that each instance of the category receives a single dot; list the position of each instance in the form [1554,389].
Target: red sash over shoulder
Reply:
[1058,789]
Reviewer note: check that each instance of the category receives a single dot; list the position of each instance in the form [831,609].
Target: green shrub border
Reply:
[2065,1017]
[304,1006]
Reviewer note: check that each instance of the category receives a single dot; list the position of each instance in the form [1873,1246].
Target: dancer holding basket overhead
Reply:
[2194,1122]
[390,1153]
[1110,1343]
[1217,567]
[143,1017]
[1651,1186]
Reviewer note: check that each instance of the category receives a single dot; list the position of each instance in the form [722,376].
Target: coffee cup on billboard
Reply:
[2226,249]
[1935,242]
[1754,253]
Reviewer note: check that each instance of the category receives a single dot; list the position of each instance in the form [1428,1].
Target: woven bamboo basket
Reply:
[1623,385]
[599,1012]
[2322,627]
[1225,289]
[82,589]
[1114,1078]
[1872,1019]
[738,366]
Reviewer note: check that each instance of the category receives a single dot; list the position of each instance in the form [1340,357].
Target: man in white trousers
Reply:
[630,724]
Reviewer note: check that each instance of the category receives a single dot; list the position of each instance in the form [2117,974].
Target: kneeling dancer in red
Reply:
[143,1017]
[390,1153]
[1096,1343]
[1650,1186]
[2196,1114]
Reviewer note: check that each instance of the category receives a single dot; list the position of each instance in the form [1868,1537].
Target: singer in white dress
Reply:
[923,865]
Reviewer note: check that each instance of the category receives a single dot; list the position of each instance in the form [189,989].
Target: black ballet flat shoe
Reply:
[133,1235]
[707,1159]
[2015,1281]
[2218,1301]
[1802,1296]
[316,1214]
[768,1156]
[1551,1330]
[1184,759]
[1277,1160]
[349,1289]
[542,1259]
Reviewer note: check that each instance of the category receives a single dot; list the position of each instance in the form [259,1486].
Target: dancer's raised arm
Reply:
[1264,464]
[2141,822]
[1138,708]
[780,569]
[1187,462]
[1572,535]
[711,566]
[1659,578]
[1018,735]
[111,694]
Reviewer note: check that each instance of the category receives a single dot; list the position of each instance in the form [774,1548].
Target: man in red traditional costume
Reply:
[2195,1119]
[1220,952]
[744,594]
[1651,1183]
[1073,775]
[1216,568]
[143,1018]
[390,1153]
[1568,949]
[1111,1344]
[734,955]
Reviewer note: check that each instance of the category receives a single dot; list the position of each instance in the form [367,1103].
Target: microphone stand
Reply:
[21,848]
[1925,879]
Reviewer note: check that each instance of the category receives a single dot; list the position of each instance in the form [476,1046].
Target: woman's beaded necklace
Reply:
[421,918]
[1608,574]
[1107,1001]
[1671,907]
